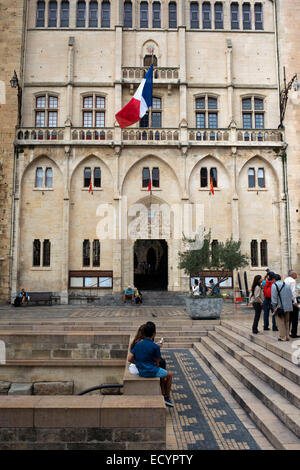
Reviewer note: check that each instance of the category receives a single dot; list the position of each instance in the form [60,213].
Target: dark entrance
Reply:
[151,264]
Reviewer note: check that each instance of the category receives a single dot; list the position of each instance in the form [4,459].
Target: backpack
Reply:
[267,289]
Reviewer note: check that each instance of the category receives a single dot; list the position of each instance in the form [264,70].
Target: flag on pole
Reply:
[90,186]
[212,185]
[137,107]
[149,185]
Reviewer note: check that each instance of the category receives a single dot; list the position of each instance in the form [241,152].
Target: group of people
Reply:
[279,297]
[146,356]
[133,294]
[211,289]
[21,299]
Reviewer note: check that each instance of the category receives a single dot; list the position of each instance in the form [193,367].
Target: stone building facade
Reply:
[215,114]
[288,15]
[12,18]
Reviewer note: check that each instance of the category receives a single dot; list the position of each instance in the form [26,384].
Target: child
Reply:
[146,355]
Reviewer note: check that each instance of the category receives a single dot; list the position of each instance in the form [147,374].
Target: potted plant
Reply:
[222,257]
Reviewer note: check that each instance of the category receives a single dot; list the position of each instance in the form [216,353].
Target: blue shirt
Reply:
[129,291]
[145,352]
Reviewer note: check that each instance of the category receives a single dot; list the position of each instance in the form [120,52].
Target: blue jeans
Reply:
[267,307]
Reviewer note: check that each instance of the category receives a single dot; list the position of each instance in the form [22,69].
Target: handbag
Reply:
[279,310]
[133,369]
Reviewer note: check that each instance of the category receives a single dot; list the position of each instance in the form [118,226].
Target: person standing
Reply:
[257,300]
[282,301]
[197,288]
[294,316]
[268,303]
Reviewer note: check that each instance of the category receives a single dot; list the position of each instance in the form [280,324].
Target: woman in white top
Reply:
[257,300]
[196,288]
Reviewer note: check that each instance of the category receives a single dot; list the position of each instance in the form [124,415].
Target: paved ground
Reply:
[65,312]
[206,416]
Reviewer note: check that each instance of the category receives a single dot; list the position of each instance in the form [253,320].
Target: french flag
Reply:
[139,104]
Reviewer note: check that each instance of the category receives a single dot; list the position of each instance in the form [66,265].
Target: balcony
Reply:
[109,136]
[161,75]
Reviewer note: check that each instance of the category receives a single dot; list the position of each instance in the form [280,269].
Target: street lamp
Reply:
[294,82]
[14,83]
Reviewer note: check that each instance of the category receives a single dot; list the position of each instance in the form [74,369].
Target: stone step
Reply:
[183,345]
[288,413]
[277,381]
[269,424]
[290,371]
[282,349]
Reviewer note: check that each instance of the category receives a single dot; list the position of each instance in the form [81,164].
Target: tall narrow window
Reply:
[194,11]
[80,15]
[86,253]
[36,253]
[264,253]
[46,252]
[214,252]
[219,18]
[39,177]
[49,178]
[206,112]
[172,15]
[105,15]
[93,113]
[203,178]
[64,14]
[96,253]
[251,178]
[246,16]
[261,178]
[40,14]
[145,177]
[127,15]
[235,22]
[93,15]
[153,117]
[155,177]
[213,177]
[258,10]
[253,113]
[144,15]
[52,14]
[87,174]
[254,253]
[156,20]
[97,177]
[206,15]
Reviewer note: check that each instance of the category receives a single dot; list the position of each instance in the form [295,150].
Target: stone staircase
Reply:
[259,373]
[150,299]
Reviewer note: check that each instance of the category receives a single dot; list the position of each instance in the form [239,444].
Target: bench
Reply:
[135,385]
[37,297]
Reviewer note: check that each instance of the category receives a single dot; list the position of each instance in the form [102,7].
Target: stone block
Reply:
[17,411]
[68,412]
[4,387]
[133,412]
[20,389]
[53,388]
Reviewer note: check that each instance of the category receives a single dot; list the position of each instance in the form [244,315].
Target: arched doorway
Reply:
[151,264]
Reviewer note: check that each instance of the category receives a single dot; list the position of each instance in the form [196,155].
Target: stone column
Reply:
[181,13]
[19,171]
[235,198]
[230,118]
[64,295]
[118,80]
[70,74]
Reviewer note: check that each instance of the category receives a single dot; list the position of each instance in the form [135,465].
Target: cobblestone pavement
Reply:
[201,418]
[65,312]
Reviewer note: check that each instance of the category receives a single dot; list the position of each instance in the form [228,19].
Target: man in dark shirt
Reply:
[146,355]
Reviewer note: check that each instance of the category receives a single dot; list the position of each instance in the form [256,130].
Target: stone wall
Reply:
[288,31]
[82,423]
[11,50]
[71,346]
